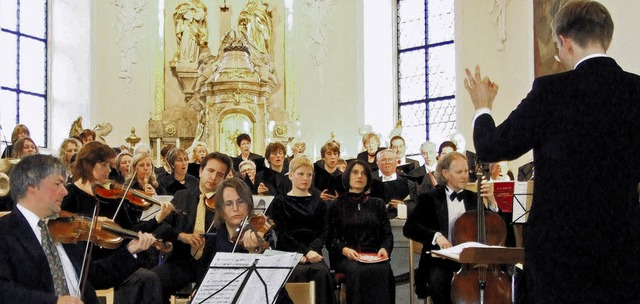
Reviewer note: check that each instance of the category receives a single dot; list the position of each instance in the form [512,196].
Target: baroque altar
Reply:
[224,93]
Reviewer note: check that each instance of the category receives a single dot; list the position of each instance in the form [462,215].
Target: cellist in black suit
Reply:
[432,221]
[581,240]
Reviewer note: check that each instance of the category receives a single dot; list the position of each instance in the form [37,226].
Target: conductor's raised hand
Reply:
[481,90]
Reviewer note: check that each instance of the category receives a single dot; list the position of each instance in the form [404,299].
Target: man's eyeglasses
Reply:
[239,203]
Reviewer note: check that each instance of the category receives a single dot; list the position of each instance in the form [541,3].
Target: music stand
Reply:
[488,255]
[523,196]
[234,277]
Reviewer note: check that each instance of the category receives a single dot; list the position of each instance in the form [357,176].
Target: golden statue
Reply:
[256,25]
[76,127]
[190,20]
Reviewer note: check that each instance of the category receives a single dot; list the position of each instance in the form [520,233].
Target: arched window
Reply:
[426,71]
[23,67]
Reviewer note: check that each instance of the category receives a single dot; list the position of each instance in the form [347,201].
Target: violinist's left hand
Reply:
[142,243]
[250,241]
[383,253]
[313,257]
[149,190]
[165,210]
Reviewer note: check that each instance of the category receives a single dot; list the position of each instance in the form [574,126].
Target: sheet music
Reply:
[455,251]
[521,196]
[231,269]
[262,202]
[154,209]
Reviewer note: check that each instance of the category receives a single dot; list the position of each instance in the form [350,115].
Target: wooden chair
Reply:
[414,248]
[302,293]
[107,294]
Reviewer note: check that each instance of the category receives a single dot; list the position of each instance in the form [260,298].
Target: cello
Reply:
[480,283]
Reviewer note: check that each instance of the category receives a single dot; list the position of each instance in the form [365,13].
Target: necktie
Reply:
[455,195]
[50,250]
[199,225]
[433,179]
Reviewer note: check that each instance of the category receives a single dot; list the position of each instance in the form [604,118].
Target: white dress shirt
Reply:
[69,271]
[389,178]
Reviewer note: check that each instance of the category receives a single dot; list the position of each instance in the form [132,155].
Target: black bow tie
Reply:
[455,195]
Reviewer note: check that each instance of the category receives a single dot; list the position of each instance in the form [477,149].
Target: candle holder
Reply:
[133,139]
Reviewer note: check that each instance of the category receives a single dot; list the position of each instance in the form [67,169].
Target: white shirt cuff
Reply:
[479,112]
[435,236]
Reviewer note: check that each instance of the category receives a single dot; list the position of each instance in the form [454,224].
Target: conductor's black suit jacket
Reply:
[584,129]
[25,276]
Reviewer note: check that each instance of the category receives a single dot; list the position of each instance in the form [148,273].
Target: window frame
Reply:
[17,90]
[427,47]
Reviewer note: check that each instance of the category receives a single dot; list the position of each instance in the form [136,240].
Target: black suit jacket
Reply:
[430,216]
[422,179]
[590,115]
[25,276]
[187,201]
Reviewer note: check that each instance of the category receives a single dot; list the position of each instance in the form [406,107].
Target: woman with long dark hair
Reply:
[359,227]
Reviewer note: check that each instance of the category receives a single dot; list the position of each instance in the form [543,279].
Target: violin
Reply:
[72,228]
[259,224]
[135,197]
[480,283]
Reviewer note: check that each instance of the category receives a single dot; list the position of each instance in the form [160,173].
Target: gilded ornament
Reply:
[280,131]
[170,129]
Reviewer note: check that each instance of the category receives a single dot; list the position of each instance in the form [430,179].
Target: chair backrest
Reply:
[303,293]
[414,248]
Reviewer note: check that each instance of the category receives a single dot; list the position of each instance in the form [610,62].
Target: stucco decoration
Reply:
[317,14]
[499,10]
[128,23]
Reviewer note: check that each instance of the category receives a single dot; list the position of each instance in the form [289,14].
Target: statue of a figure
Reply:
[255,23]
[190,20]
[207,66]
[262,66]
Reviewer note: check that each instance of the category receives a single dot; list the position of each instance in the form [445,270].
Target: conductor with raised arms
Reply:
[581,241]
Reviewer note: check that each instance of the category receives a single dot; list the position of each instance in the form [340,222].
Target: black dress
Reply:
[8,150]
[171,185]
[300,225]
[360,222]
[276,182]
[323,180]
[142,286]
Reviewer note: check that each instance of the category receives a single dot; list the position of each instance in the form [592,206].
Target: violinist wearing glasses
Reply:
[239,229]
[33,267]
[186,265]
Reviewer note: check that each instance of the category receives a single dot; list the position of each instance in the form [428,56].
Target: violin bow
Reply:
[84,272]
[125,194]
[243,224]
